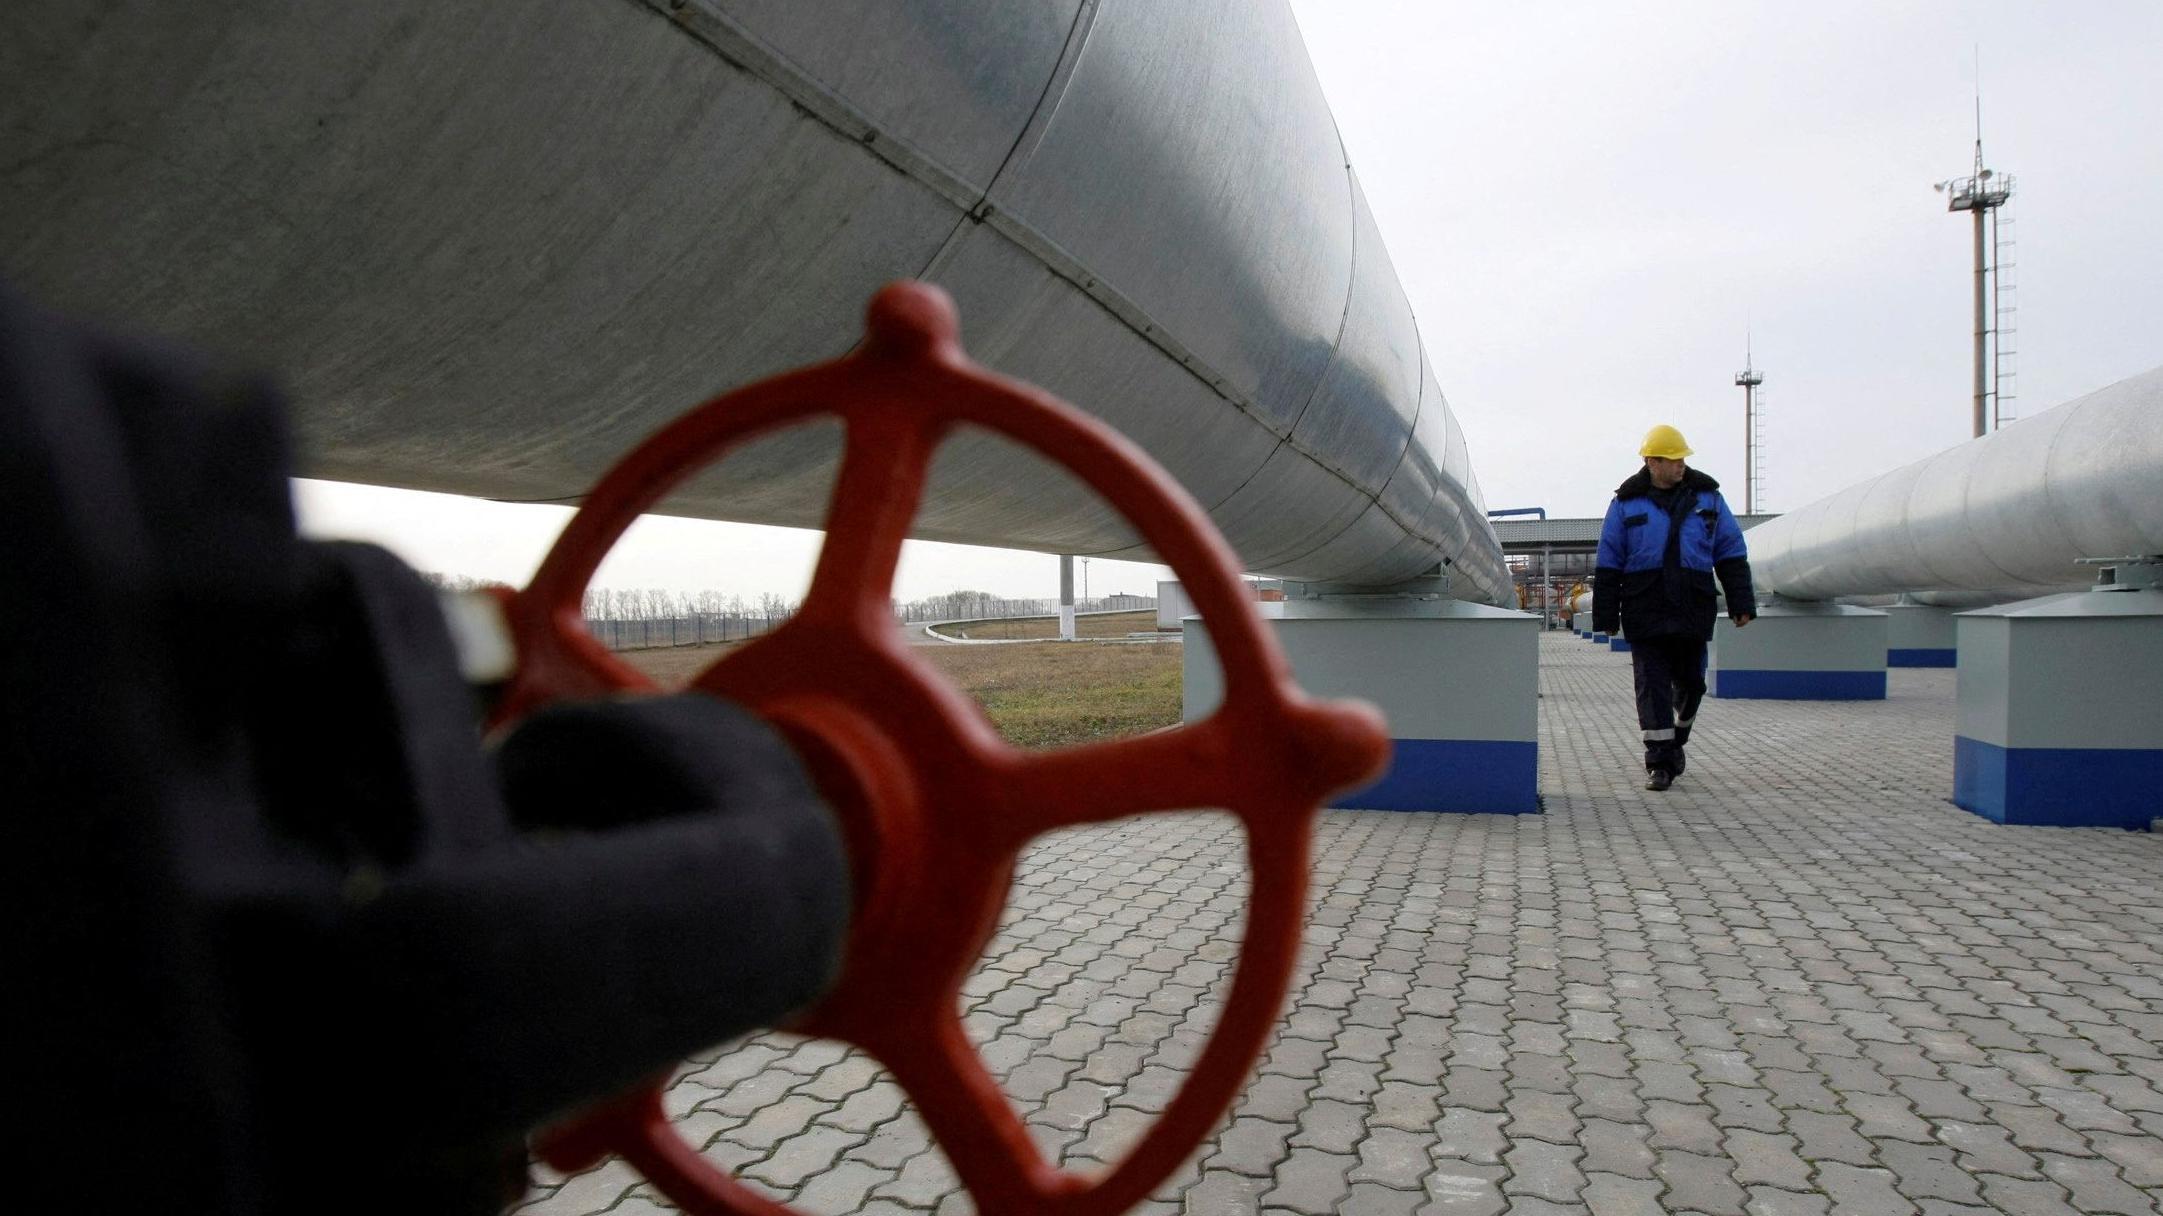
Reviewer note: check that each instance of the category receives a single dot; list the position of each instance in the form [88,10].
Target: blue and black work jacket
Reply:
[1659,553]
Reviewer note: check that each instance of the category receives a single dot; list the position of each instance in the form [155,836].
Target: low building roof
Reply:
[1530,535]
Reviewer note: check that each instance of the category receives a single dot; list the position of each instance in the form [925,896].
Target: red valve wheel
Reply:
[935,806]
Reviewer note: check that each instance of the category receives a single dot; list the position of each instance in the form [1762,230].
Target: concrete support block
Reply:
[1600,639]
[2060,710]
[1459,683]
[1918,635]
[1801,651]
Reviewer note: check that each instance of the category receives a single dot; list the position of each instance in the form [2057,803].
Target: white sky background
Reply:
[504,542]
[1588,204]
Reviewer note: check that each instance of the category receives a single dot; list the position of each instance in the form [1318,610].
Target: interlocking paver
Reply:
[1599,1096]
[1536,1073]
[2138,1158]
[1547,1171]
[1528,1205]
[1616,1149]
[843,1188]
[1828,1138]
[1333,1127]
[1474,1088]
[1353,1081]
[770,1125]
[1277,1098]
[2037,1129]
[1394,1159]
[1887,1116]
[1537,1115]
[1616,1195]
[1251,1146]
[1797,982]
[921,1181]
[2022,1197]
[1310,1181]
[1672,1082]
[1460,1188]
[1372,1199]
[1737,1106]
[800,1156]
[2095,1186]
[892,1144]
[1855,1189]
[1791,1090]
[1110,1136]
[1222,1194]
[1767,1159]
[1937,1100]
[1686,1127]
[1929,1172]
[1699,1183]
[1771,1201]
[867,1108]
[2083,1110]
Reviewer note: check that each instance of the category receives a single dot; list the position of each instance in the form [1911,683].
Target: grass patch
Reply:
[1060,694]
[1055,695]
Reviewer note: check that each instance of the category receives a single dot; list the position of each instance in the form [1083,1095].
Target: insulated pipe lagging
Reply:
[2013,512]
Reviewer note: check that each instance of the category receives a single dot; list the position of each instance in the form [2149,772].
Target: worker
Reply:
[1667,535]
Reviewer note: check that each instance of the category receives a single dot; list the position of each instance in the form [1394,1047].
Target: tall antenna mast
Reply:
[1982,192]
[1749,378]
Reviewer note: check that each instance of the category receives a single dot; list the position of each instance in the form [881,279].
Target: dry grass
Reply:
[1061,693]
[673,666]
[1053,695]
[1109,625]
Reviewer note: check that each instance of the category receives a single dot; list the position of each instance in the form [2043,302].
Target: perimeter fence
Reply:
[708,628]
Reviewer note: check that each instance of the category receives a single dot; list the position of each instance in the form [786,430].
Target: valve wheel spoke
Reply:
[883,468]
[1168,770]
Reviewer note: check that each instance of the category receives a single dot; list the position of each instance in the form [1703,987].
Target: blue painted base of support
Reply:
[2093,787]
[1599,638]
[1799,685]
[1618,644]
[1468,776]
[1921,656]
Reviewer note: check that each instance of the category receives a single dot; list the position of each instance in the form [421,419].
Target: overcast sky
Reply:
[1589,204]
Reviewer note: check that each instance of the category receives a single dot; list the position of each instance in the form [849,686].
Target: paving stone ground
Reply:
[1799,982]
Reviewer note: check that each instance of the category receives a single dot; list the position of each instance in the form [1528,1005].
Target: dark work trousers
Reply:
[1670,675]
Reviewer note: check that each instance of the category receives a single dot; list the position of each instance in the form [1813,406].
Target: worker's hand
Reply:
[1744,619]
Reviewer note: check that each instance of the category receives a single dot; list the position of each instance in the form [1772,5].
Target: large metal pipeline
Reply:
[2010,514]
[488,246]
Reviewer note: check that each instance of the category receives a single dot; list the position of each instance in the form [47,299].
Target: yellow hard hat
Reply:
[1664,441]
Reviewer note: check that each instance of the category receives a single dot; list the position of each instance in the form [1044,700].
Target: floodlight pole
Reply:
[1981,192]
[1749,378]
